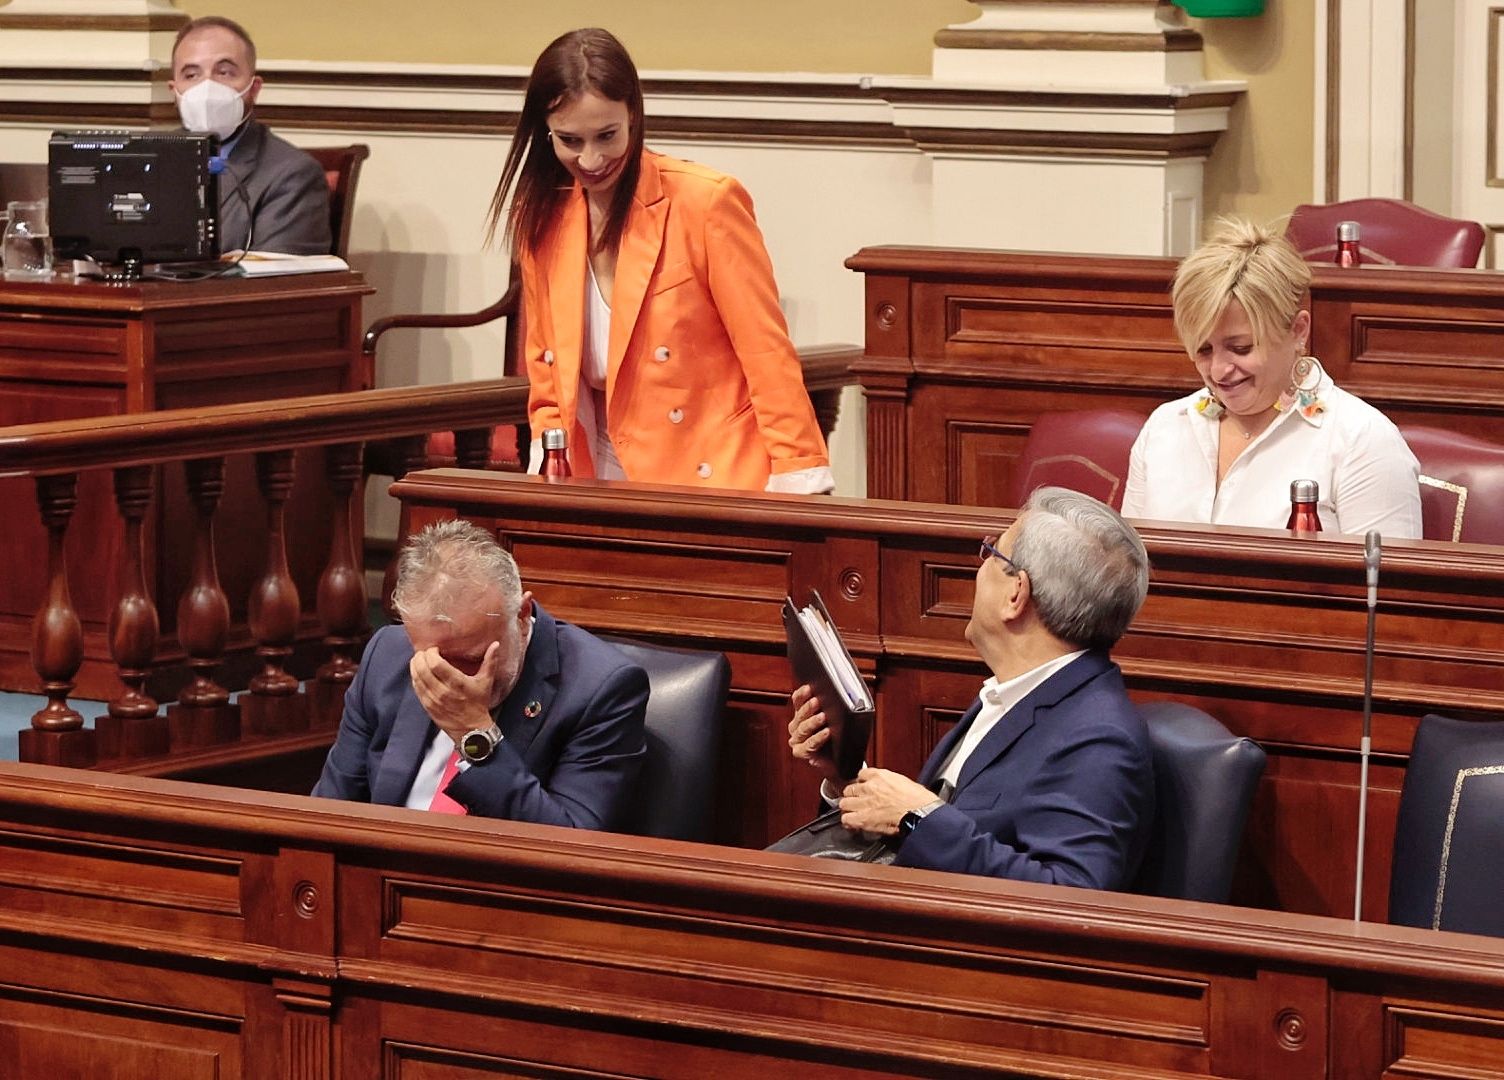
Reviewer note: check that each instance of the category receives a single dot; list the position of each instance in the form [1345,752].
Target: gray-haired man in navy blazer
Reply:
[483,703]
[1051,768]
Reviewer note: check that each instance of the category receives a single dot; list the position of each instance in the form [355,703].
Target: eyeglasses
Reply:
[989,551]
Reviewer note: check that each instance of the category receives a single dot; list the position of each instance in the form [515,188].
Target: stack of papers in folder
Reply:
[270,263]
[820,658]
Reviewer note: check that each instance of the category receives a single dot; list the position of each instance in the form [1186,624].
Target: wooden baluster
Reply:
[57,735]
[827,405]
[273,706]
[412,453]
[132,727]
[203,715]
[472,448]
[342,589]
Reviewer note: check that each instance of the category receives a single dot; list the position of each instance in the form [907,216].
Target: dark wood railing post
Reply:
[472,448]
[203,714]
[342,589]
[57,735]
[273,705]
[411,454]
[132,727]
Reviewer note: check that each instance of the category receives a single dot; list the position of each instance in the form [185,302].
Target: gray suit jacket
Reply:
[269,181]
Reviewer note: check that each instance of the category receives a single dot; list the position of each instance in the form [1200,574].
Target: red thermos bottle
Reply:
[1304,495]
[1347,244]
[555,454]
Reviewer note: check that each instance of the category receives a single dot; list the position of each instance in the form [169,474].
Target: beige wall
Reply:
[876,36]
[1263,166]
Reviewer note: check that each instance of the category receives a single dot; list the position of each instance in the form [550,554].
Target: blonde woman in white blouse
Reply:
[1267,413]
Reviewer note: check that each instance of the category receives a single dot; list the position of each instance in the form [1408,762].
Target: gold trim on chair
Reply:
[1077,459]
[1446,841]
[1459,490]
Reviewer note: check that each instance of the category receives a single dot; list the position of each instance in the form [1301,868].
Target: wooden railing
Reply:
[132,447]
[195,931]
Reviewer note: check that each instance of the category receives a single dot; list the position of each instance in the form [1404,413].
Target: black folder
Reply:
[850,728]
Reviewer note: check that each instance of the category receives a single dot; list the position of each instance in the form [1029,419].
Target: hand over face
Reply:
[456,702]
[878,799]
[808,733]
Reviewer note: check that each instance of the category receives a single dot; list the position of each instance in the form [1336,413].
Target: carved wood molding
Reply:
[1068,41]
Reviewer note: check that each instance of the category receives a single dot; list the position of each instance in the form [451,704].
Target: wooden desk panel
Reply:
[1262,630]
[966,348]
[183,931]
[71,349]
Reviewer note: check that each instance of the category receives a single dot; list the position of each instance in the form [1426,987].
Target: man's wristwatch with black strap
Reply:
[478,745]
[910,821]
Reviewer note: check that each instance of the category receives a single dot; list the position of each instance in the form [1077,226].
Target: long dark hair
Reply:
[581,60]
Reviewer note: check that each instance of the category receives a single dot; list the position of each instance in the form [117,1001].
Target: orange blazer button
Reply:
[661,353]
[676,416]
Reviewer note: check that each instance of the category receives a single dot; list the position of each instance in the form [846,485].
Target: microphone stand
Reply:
[1371,555]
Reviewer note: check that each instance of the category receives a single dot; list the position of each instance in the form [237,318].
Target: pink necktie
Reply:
[442,803]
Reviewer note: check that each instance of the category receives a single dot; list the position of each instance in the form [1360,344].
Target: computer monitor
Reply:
[125,197]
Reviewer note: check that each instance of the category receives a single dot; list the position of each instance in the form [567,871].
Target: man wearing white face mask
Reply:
[272,196]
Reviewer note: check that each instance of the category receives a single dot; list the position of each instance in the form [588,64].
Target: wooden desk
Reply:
[965,349]
[175,931]
[77,349]
[1263,631]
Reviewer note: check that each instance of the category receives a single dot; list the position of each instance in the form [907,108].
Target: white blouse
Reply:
[1366,474]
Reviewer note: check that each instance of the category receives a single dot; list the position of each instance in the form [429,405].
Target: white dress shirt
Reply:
[1368,477]
[997,699]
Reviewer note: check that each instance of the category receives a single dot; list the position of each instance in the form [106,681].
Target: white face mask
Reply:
[212,107]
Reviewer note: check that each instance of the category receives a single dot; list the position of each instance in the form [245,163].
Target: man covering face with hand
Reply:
[482,703]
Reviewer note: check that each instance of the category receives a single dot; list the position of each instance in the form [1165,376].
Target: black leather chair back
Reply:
[1204,780]
[1448,871]
[687,696]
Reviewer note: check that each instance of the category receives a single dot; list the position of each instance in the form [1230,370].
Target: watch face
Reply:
[477,745]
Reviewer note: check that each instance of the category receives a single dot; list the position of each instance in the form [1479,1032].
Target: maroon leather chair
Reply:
[1391,231]
[1461,485]
[341,165]
[1085,451]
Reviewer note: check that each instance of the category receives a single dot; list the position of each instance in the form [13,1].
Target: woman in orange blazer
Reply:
[654,336]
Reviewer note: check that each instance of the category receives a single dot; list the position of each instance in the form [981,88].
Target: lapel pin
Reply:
[532,709]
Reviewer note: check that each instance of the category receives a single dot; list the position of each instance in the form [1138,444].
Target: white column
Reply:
[89,34]
[1365,155]
[1065,125]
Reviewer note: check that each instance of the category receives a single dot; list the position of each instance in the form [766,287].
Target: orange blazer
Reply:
[703,386]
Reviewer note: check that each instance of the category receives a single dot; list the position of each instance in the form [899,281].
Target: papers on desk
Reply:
[269,263]
[820,658]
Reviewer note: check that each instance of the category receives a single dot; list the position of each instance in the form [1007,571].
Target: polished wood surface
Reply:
[134,448]
[151,928]
[964,349]
[334,430]
[1263,630]
[72,349]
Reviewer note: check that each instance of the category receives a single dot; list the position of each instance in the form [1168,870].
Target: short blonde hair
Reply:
[1240,261]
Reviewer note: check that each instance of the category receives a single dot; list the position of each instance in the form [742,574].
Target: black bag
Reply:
[827,838]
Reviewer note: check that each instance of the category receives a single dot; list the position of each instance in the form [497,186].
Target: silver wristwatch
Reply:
[478,745]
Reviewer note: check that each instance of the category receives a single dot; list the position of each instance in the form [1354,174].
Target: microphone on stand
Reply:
[1372,552]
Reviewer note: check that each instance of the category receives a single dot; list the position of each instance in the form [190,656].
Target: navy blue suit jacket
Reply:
[574,761]
[1061,790]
